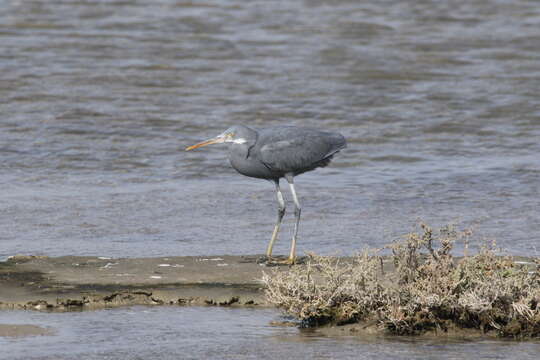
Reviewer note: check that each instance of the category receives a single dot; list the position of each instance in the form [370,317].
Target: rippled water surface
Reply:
[438,101]
[203,333]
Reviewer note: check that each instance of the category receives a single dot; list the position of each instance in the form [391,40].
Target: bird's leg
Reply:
[297,211]
[281,212]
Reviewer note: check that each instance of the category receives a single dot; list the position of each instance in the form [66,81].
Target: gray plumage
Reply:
[275,153]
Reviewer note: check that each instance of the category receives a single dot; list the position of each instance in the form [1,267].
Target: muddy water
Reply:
[438,100]
[202,333]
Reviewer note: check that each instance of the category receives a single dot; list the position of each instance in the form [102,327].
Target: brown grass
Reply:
[427,290]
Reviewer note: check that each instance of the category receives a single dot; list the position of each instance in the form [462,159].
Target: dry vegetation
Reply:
[428,289]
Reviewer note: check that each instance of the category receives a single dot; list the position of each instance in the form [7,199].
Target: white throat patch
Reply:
[239,141]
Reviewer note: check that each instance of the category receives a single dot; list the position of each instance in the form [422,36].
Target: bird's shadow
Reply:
[279,260]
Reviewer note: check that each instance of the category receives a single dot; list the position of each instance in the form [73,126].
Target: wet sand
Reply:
[18,330]
[80,283]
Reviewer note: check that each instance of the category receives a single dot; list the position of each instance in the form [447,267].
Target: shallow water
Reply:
[218,333]
[438,101]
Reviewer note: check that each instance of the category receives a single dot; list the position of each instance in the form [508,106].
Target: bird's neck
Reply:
[244,146]
[239,149]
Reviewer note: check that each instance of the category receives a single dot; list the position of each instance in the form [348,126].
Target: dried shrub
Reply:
[428,289]
[326,290]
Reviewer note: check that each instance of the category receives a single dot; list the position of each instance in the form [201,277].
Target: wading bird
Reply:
[275,153]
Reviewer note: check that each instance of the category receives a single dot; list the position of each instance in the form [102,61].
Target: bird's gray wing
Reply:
[296,153]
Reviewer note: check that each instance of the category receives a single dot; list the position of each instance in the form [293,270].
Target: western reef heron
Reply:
[275,153]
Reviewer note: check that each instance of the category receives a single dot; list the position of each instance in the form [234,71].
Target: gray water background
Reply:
[437,99]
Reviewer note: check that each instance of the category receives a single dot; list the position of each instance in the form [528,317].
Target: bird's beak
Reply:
[217,140]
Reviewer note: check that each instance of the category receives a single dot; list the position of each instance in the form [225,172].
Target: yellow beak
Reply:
[217,140]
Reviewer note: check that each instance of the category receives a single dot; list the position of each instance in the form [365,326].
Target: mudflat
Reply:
[76,282]
[85,283]
[18,330]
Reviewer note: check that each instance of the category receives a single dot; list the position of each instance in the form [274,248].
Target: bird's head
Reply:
[237,134]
